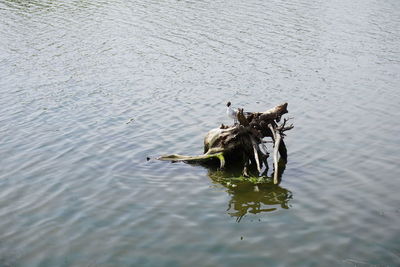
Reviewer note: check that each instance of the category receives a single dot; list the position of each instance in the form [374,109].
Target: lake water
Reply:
[90,89]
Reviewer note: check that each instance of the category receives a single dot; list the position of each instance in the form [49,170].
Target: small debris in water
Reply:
[241,238]
[147,158]
[131,120]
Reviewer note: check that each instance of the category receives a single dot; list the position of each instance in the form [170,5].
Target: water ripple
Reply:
[89,90]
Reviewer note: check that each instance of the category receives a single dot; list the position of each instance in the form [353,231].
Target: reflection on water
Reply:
[254,194]
[254,199]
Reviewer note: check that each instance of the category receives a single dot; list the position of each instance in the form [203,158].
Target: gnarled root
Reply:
[195,159]
[278,139]
[240,143]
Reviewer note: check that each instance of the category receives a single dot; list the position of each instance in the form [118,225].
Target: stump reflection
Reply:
[251,195]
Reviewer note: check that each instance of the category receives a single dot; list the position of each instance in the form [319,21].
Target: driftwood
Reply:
[240,144]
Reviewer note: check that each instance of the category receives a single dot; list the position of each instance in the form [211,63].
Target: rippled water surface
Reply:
[90,89]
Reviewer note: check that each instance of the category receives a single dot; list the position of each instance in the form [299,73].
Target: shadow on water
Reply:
[252,194]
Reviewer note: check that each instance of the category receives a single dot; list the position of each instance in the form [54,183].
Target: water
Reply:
[89,89]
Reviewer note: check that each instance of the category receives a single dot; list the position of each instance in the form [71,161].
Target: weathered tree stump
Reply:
[241,143]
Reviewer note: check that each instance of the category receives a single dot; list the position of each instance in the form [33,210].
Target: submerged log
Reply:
[240,143]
